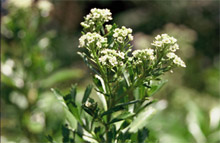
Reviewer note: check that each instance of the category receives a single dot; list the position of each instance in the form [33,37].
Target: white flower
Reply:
[45,7]
[108,27]
[174,47]
[120,39]
[115,35]
[173,40]
[171,55]
[158,37]
[88,104]
[21,3]
[157,43]
[130,37]
[177,60]
[166,40]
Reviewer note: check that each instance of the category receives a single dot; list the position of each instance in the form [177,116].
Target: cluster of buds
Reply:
[96,16]
[168,45]
[139,56]
[92,39]
[111,58]
[109,55]
[120,34]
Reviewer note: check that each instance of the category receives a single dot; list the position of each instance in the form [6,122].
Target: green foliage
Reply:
[125,84]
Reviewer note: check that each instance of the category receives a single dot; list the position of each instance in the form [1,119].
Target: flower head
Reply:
[111,58]
[96,16]
[143,55]
[121,34]
[92,39]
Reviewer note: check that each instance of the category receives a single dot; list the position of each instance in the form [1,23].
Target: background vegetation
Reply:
[39,44]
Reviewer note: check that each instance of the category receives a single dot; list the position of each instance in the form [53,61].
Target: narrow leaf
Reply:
[87,93]
[119,107]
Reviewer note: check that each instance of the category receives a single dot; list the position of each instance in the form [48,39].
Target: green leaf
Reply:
[122,116]
[86,61]
[50,139]
[70,118]
[74,110]
[142,135]
[87,93]
[73,92]
[65,133]
[142,119]
[60,76]
[155,88]
[119,107]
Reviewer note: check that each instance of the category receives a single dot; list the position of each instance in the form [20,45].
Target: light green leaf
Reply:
[142,119]
[69,117]
[60,76]
[155,87]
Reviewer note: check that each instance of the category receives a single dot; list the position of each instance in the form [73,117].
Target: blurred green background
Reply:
[39,44]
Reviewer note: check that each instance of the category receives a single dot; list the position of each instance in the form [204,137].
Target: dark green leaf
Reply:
[73,92]
[65,133]
[119,107]
[50,139]
[142,135]
[74,110]
[87,93]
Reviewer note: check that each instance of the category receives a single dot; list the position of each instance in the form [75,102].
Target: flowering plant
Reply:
[125,82]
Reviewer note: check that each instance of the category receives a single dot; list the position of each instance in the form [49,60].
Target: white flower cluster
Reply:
[92,38]
[176,60]
[171,45]
[163,39]
[143,55]
[112,58]
[121,34]
[96,15]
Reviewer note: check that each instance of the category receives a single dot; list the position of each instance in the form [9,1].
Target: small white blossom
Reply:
[166,40]
[174,47]
[157,43]
[120,39]
[88,104]
[108,27]
[158,37]
[171,55]
[130,37]
[178,61]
